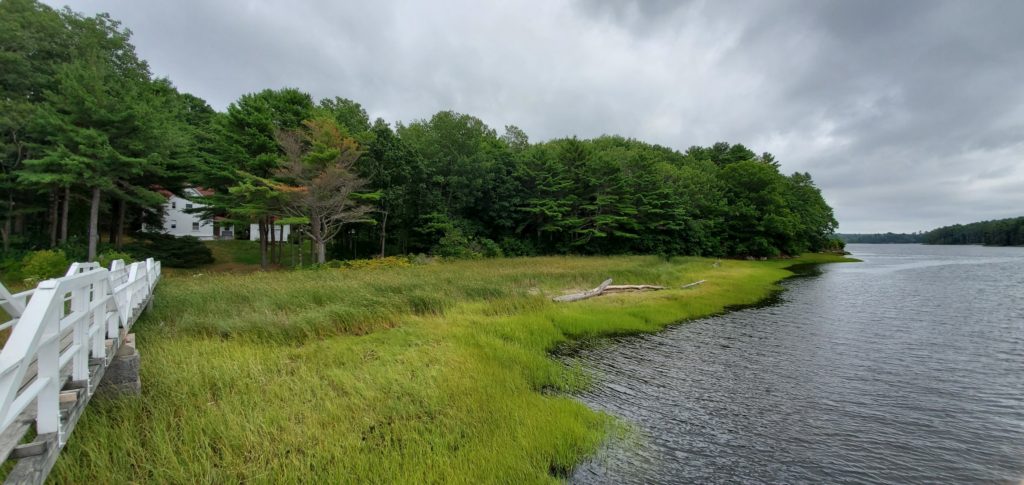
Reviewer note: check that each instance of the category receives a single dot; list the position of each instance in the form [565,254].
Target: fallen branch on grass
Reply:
[586,294]
[624,288]
[608,287]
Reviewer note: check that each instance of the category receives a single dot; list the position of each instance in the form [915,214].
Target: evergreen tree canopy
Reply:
[83,118]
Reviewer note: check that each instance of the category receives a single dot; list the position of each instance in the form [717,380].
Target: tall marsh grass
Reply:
[422,374]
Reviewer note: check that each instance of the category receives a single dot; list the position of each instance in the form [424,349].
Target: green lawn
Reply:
[422,374]
[240,255]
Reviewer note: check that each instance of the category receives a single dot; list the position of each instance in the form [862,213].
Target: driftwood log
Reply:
[608,287]
[586,294]
[625,288]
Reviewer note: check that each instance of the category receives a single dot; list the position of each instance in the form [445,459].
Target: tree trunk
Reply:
[54,216]
[281,244]
[112,230]
[264,263]
[5,233]
[318,239]
[119,235]
[10,226]
[383,233]
[64,215]
[273,241]
[291,253]
[94,223]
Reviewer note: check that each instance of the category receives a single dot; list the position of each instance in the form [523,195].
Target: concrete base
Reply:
[122,376]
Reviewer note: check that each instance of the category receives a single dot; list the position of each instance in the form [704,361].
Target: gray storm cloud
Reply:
[908,114]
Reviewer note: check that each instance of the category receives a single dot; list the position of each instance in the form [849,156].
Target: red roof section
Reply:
[205,192]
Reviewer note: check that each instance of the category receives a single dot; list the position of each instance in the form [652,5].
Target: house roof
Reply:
[203,191]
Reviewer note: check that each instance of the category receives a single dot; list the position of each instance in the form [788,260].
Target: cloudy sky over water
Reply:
[909,114]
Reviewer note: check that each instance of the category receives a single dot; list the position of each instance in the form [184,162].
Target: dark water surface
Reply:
[906,368]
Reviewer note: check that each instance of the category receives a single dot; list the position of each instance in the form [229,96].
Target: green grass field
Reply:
[422,374]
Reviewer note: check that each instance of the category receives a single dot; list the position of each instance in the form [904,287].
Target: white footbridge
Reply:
[63,336]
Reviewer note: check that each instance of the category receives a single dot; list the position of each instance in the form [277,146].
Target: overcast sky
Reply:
[908,114]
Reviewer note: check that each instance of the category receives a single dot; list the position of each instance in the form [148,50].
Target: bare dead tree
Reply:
[320,180]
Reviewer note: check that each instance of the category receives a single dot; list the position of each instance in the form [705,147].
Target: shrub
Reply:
[757,247]
[513,247]
[111,255]
[488,248]
[835,245]
[456,245]
[10,266]
[421,259]
[174,252]
[75,248]
[41,265]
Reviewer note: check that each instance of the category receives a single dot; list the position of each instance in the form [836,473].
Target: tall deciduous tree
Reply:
[392,170]
[322,182]
[248,149]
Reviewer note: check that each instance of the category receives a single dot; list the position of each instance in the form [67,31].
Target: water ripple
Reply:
[907,368]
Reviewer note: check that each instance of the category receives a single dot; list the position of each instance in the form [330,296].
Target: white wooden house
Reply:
[281,232]
[178,222]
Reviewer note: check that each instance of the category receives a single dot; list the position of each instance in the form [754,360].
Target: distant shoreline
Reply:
[999,232]
[947,244]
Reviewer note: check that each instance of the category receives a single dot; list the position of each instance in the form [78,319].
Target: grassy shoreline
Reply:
[432,373]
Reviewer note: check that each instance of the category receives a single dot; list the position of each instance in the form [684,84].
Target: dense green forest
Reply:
[89,136]
[1001,232]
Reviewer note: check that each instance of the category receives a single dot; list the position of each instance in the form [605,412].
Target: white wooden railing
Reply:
[14,305]
[64,333]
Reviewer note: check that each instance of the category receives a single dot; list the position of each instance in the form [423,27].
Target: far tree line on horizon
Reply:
[999,232]
[89,136]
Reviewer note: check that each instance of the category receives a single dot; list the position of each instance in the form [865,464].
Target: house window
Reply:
[195,226]
[188,206]
[174,225]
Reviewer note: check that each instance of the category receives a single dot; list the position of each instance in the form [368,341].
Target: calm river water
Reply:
[906,368]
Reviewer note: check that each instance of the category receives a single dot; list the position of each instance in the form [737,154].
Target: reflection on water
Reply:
[907,368]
